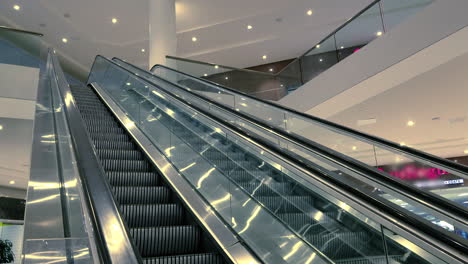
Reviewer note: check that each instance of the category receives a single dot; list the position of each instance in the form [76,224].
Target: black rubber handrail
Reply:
[382,204]
[387,144]
[22,31]
[104,212]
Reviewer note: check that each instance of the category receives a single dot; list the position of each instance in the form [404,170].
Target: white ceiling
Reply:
[434,100]
[219,25]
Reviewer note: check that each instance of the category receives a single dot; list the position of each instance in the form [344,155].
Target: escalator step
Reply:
[151,215]
[166,240]
[110,137]
[124,178]
[142,195]
[126,165]
[121,145]
[120,154]
[207,258]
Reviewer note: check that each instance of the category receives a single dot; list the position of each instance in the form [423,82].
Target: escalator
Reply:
[334,232]
[191,137]
[166,180]
[161,228]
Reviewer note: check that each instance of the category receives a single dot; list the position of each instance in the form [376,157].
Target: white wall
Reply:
[18,88]
[430,25]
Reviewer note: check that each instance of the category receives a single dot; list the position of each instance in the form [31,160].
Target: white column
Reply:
[162,31]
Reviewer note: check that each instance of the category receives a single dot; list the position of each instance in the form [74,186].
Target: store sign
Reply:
[411,172]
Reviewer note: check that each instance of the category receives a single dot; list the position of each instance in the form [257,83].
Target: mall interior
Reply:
[247,131]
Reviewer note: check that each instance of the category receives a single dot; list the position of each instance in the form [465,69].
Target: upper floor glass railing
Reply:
[370,23]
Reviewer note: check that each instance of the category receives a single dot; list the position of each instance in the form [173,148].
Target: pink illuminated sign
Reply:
[411,172]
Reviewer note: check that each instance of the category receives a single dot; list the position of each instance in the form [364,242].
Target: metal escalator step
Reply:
[166,240]
[206,258]
[141,194]
[87,113]
[339,245]
[264,189]
[106,144]
[126,165]
[152,215]
[282,204]
[120,154]
[100,122]
[241,175]
[303,222]
[105,129]
[103,116]
[110,137]
[125,178]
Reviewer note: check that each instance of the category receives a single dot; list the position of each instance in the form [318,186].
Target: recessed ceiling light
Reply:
[205,74]
[402,144]
[194,39]
[1,127]
[410,123]
[342,47]
[309,12]
[64,40]
[227,78]
[249,27]
[465,151]
[128,84]
[379,33]
[216,66]
[354,147]
[320,59]
[114,20]
[16,7]
[318,46]
[12,182]
[264,57]
[271,69]
[143,50]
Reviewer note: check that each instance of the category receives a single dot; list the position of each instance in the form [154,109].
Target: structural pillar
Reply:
[162,31]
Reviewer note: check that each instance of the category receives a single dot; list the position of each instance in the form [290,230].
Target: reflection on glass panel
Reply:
[290,76]
[69,250]
[400,250]
[259,84]
[318,60]
[395,11]
[359,32]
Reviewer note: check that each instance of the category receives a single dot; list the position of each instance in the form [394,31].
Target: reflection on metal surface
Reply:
[254,214]
[168,151]
[188,167]
[51,197]
[224,199]
[202,178]
[294,249]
